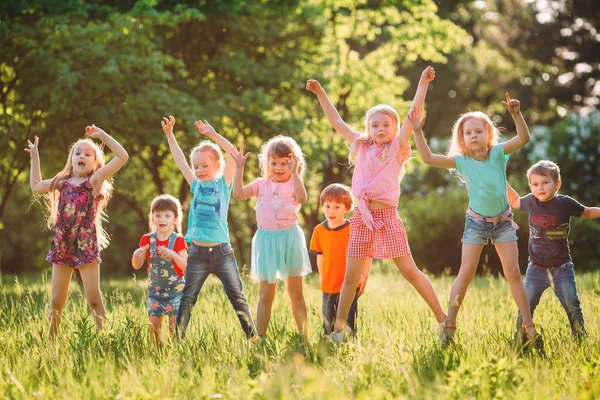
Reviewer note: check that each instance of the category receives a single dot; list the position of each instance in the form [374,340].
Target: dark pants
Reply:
[562,280]
[330,305]
[219,260]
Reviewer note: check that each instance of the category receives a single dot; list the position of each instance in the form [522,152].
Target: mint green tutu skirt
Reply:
[279,254]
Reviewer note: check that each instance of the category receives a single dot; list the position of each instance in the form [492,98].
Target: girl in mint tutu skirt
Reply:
[278,247]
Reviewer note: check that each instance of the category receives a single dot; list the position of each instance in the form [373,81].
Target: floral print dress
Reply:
[165,285]
[74,240]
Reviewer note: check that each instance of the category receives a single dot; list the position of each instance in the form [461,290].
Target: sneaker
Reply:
[337,337]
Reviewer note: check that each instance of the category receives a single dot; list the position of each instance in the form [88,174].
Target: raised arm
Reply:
[180,160]
[120,158]
[427,76]
[204,128]
[591,213]
[513,197]
[299,189]
[240,192]
[514,107]
[417,120]
[35,175]
[332,114]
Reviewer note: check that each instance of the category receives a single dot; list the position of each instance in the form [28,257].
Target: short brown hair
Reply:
[166,202]
[337,193]
[544,168]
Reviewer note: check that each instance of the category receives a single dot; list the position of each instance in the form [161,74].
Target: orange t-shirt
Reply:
[332,245]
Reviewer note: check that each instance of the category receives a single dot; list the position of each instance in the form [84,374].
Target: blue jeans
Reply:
[219,260]
[330,305]
[562,278]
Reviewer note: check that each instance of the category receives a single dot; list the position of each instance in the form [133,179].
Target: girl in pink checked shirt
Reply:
[376,230]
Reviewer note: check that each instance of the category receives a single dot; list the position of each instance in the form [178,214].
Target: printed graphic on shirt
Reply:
[207,208]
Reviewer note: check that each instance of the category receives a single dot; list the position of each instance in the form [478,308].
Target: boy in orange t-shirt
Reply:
[329,242]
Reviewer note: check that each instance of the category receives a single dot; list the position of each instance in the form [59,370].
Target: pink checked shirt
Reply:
[376,177]
[276,205]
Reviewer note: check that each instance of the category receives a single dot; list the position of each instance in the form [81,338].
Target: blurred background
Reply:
[242,65]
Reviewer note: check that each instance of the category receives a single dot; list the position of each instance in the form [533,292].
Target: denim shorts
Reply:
[480,232]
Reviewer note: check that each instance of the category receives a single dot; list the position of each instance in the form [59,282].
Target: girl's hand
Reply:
[32,148]
[314,86]
[165,253]
[167,124]
[94,132]
[204,128]
[428,75]
[513,106]
[416,119]
[140,251]
[293,163]
[238,156]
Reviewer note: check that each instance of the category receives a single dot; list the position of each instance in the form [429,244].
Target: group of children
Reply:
[178,266]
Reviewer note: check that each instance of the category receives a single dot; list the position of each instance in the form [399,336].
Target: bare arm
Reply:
[139,256]
[35,175]
[178,156]
[437,160]
[111,168]
[513,197]
[591,213]
[320,267]
[299,189]
[239,191]
[204,128]
[332,114]
[514,107]
[406,129]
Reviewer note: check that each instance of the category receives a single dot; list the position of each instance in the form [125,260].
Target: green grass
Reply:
[396,355]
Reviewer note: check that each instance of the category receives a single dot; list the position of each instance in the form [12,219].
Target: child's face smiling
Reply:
[83,159]
[382,128]
[204,166]
[475,134]
[279,169]
[164,221]
[334,213]
[543,187]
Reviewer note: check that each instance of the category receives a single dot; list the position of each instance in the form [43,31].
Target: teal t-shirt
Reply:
[207,221]
[486,181]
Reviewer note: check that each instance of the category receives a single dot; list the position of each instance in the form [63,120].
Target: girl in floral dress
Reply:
[76,199]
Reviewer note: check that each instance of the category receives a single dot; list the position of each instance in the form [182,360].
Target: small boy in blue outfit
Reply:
[550,261]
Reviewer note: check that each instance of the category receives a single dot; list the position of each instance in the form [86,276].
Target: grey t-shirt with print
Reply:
[549,228]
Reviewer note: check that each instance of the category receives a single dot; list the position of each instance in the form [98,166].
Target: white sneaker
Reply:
[337,337]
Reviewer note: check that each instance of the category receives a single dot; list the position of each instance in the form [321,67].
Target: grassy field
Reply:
[396,354]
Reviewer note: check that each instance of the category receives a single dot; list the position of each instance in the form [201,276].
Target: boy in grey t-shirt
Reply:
[549,255]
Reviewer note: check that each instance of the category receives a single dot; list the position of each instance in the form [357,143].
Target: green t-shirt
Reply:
[486,181]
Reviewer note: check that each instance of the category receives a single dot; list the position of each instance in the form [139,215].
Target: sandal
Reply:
[446,333]
[536,341]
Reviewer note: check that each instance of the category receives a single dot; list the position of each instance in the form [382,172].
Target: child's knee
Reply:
[57,303]
[513,274]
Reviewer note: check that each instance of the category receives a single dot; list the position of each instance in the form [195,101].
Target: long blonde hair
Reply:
[52,197]
[280,146]
[458,147]
[365,137]
[166,202]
